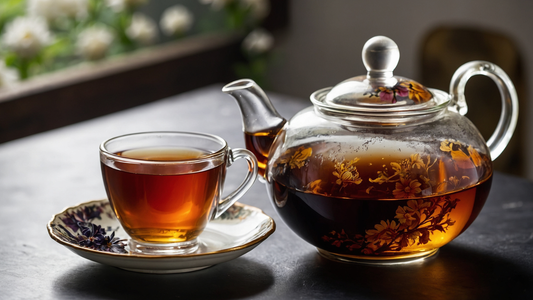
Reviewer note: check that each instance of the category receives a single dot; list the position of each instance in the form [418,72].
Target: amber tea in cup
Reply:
[150,200]
[165,186]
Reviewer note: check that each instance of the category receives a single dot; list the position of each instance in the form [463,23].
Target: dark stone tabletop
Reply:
[42,174]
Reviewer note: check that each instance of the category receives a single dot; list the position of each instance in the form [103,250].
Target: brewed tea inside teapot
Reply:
[380,169]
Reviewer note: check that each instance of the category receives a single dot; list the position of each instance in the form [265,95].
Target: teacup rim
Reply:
[222,151]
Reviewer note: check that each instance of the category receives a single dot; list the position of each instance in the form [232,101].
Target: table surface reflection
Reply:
[44,173]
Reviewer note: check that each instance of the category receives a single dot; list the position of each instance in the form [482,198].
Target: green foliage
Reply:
[63,51]
[254,69]
[9,9]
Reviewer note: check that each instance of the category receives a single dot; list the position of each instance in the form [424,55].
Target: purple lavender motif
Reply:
[90,235]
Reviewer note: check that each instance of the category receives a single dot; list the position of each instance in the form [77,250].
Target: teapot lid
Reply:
[379,90]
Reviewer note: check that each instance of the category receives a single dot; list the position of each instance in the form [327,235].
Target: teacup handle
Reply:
[509,114]
[246,184]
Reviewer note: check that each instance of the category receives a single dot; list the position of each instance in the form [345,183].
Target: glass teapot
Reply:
[380,169]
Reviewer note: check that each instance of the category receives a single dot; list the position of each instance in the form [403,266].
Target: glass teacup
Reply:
[164,187]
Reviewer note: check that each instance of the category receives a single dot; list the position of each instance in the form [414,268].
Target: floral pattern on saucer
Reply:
[79,229]
[237,232]
[235,213]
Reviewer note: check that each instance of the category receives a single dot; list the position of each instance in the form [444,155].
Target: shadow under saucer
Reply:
[239,278]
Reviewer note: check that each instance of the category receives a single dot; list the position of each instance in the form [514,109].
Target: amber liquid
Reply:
[259,144]
[365,219]
[161,207]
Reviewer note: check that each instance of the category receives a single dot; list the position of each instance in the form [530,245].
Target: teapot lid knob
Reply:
[379,90]
[380,57]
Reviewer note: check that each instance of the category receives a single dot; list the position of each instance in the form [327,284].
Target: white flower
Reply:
[121,5]
[78,9]
[8,76]
[43,8]
[94,42]
[26,36]
[216,4]
[258,41]
[259,9]
[52,10]
[142,29]
[176,20]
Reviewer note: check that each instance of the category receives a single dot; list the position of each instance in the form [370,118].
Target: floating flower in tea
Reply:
[297,159]
[407,188]
[346,173]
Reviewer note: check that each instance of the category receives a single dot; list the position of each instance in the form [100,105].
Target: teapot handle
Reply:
[509,114]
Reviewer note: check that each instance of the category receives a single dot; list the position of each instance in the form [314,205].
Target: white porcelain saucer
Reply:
[236,232]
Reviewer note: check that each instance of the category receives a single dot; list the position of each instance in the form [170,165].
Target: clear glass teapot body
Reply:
[380,169]
[379,192]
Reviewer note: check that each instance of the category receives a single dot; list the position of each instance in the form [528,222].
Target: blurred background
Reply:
[312,44]
[322,46]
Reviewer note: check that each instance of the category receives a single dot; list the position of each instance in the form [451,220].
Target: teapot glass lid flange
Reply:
[379,90]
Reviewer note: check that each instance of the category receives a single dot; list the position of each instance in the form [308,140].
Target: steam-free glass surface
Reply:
[380,168]
[165,186]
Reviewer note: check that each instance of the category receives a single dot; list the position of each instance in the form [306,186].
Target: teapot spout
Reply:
[258,114]
[261,122]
